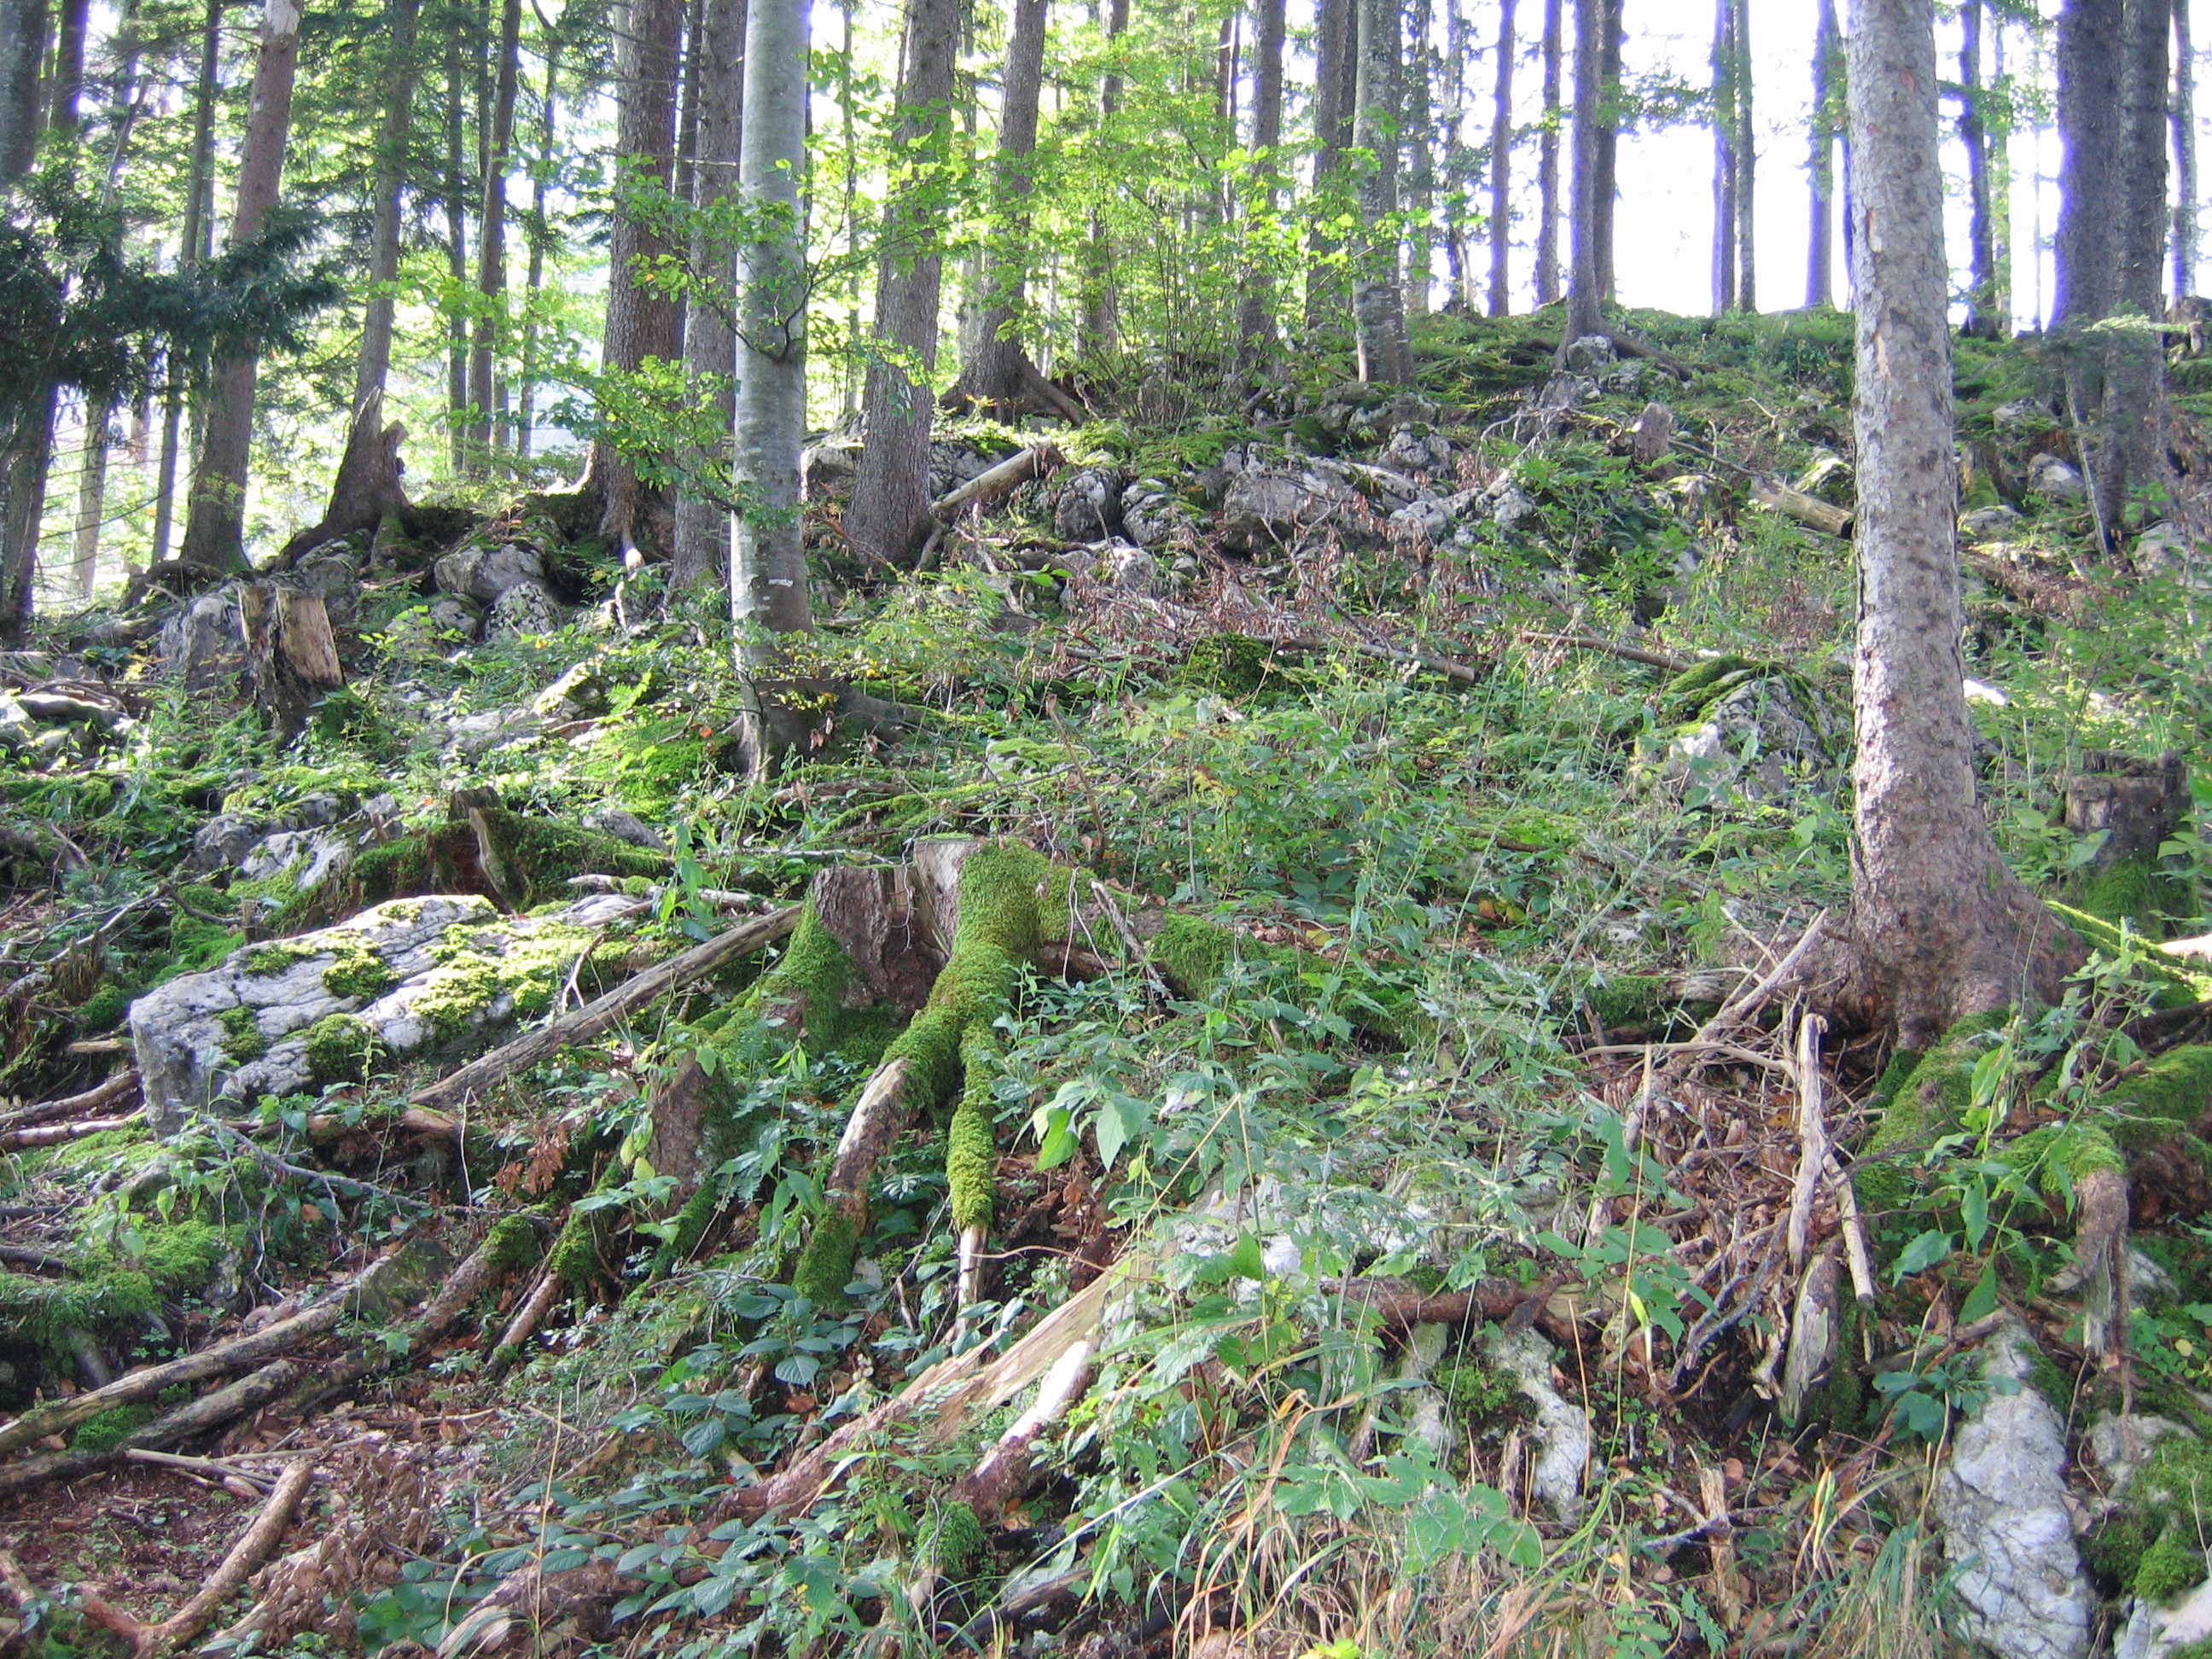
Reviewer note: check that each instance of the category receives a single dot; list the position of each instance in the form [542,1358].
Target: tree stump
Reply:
[2137,804]
[291,654]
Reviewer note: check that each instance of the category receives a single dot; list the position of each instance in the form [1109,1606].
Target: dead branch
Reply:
[1658,659]
[53,1134]
[523,1325]
[1807,510]
[1025,464]
[1812,1137]
[198,1417]
[617,1004]
[91,1103]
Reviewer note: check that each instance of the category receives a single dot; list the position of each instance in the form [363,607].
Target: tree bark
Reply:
[1336,34]
[767,571]
[641,319]
[64,117]
[23,29]
[2182,118]
[1820,241]
[1585,312]
[1612,38]
[1547,164]
[1386,356]
[2135,359]
[91,503]
[1256,313]
[374,364]
[1415,123]
[1100,331]
[889,515]
[1724,168]
[1983,322]
[215,531]
[2089,36]
[457,256]
[710,343]
[191,248]
[1942,926]
[1501,167]
[540,232]
[491,233]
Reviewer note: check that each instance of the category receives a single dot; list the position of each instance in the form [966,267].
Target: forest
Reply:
[1195,828]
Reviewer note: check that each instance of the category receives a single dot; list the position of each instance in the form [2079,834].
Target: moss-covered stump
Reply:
[418,977]
[2135,804]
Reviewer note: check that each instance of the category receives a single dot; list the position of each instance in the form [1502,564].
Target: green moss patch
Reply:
[343,1049]
[241,1034]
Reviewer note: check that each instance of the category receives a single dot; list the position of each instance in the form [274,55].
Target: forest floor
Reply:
[1330,1172]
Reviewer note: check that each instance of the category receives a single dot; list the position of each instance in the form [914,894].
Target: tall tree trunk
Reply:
[373,366]
[688,91]
[710,343]
[1416,125]
[64,117]
[1501,167]
[1585,307]
[491,231]
[1100,331]
[1982,320]
[1746,168]
[1386,357]
[1255,315]
[1819,242]
[23,30]
[91,505]
[641,320]
[2089,37]
[1336,52]
[1613,38]
[890,511]
[1548,163]
[1724,168]
[215,531]
[1942,926]
[191,248]
[456,243]
[767,568]
[540,230]
[2183,117]
[2136,361]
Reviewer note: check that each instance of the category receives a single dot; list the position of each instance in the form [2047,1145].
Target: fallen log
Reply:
[93,1101]
[59,1416]
[1809,510]
[617,1005]
[1025,464]
[209,1411]
[54,1134]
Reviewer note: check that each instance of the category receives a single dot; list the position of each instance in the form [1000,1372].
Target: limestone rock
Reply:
[331,571]
[2024,415]
[2052,479]
[2001,1502]
[1152,516]
[1131,570]
[410,976]
[578,693]
[484,574]
[1761,735]
[479,734]
[2121,1443]
[1433,517]
[525,609]
[1087,504]
[1988,524]
[1588,352]
[309,857]
[224,839]
[1563,1428]
[204,642]
[611,820]
[1418,448]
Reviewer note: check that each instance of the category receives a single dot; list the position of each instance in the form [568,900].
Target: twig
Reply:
[300,1172]
[1744,1004]
[52,1134]
[523,1325]
[1812,1137]
[93,1100]
[1658,659]
[197,1465]
[245,1555]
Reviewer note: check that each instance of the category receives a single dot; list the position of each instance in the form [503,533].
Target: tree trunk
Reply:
[1724,168]
[710,344]
[457,256]
[540,231]
[2136,361]
[889,515]
[63,118]
[191,248]
[374,365]
[1982,320]
[1416,125]
[91,504]
[24,467]
[1746,168]
[1255,314]
[641,320]
[215,531]
[1501,167]
[1585,312]
[1100,331]
[1820,243]
[1336,35]
[2182,118]
[2089,35]
[491,232]
[767,571]
[23,54]
[1547,164]
[999,374]
[1612,38]
[1943,928]
[1386,357]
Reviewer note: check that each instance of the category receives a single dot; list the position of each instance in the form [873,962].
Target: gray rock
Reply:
[2155,1632]
[450,616]
[17,728]
[1563,1428]
[2001,1502]
[951,464]
[1261,508]
[1508,503]
[484,574]
[1087,504]
[204,642]
[523,612]
[1624,378]
[1152,517]
[2025,415]
[331,571]
[1787,742]
[1988,524]
[472,735]
[2121,1443]
[578,692]
[1588,352]
[426,992]
[2052,479]
[1433,517]
[1131,570]
[309,857]
[611,820]
[224,840]
[828,466]
[1418,448]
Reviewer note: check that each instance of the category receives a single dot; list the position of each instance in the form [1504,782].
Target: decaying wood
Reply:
[1745,1004]
[38,1260]
[59,1416]
[1809,510]
[1652,435]
[252,1548]
[1662,660]
[1815,1324]
[209,1411]
[54,1134]
[93,1101]
[617,1005]
[291,654]
[1003,1473]
[1812,1137]
[524,1325]
[1029,461]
